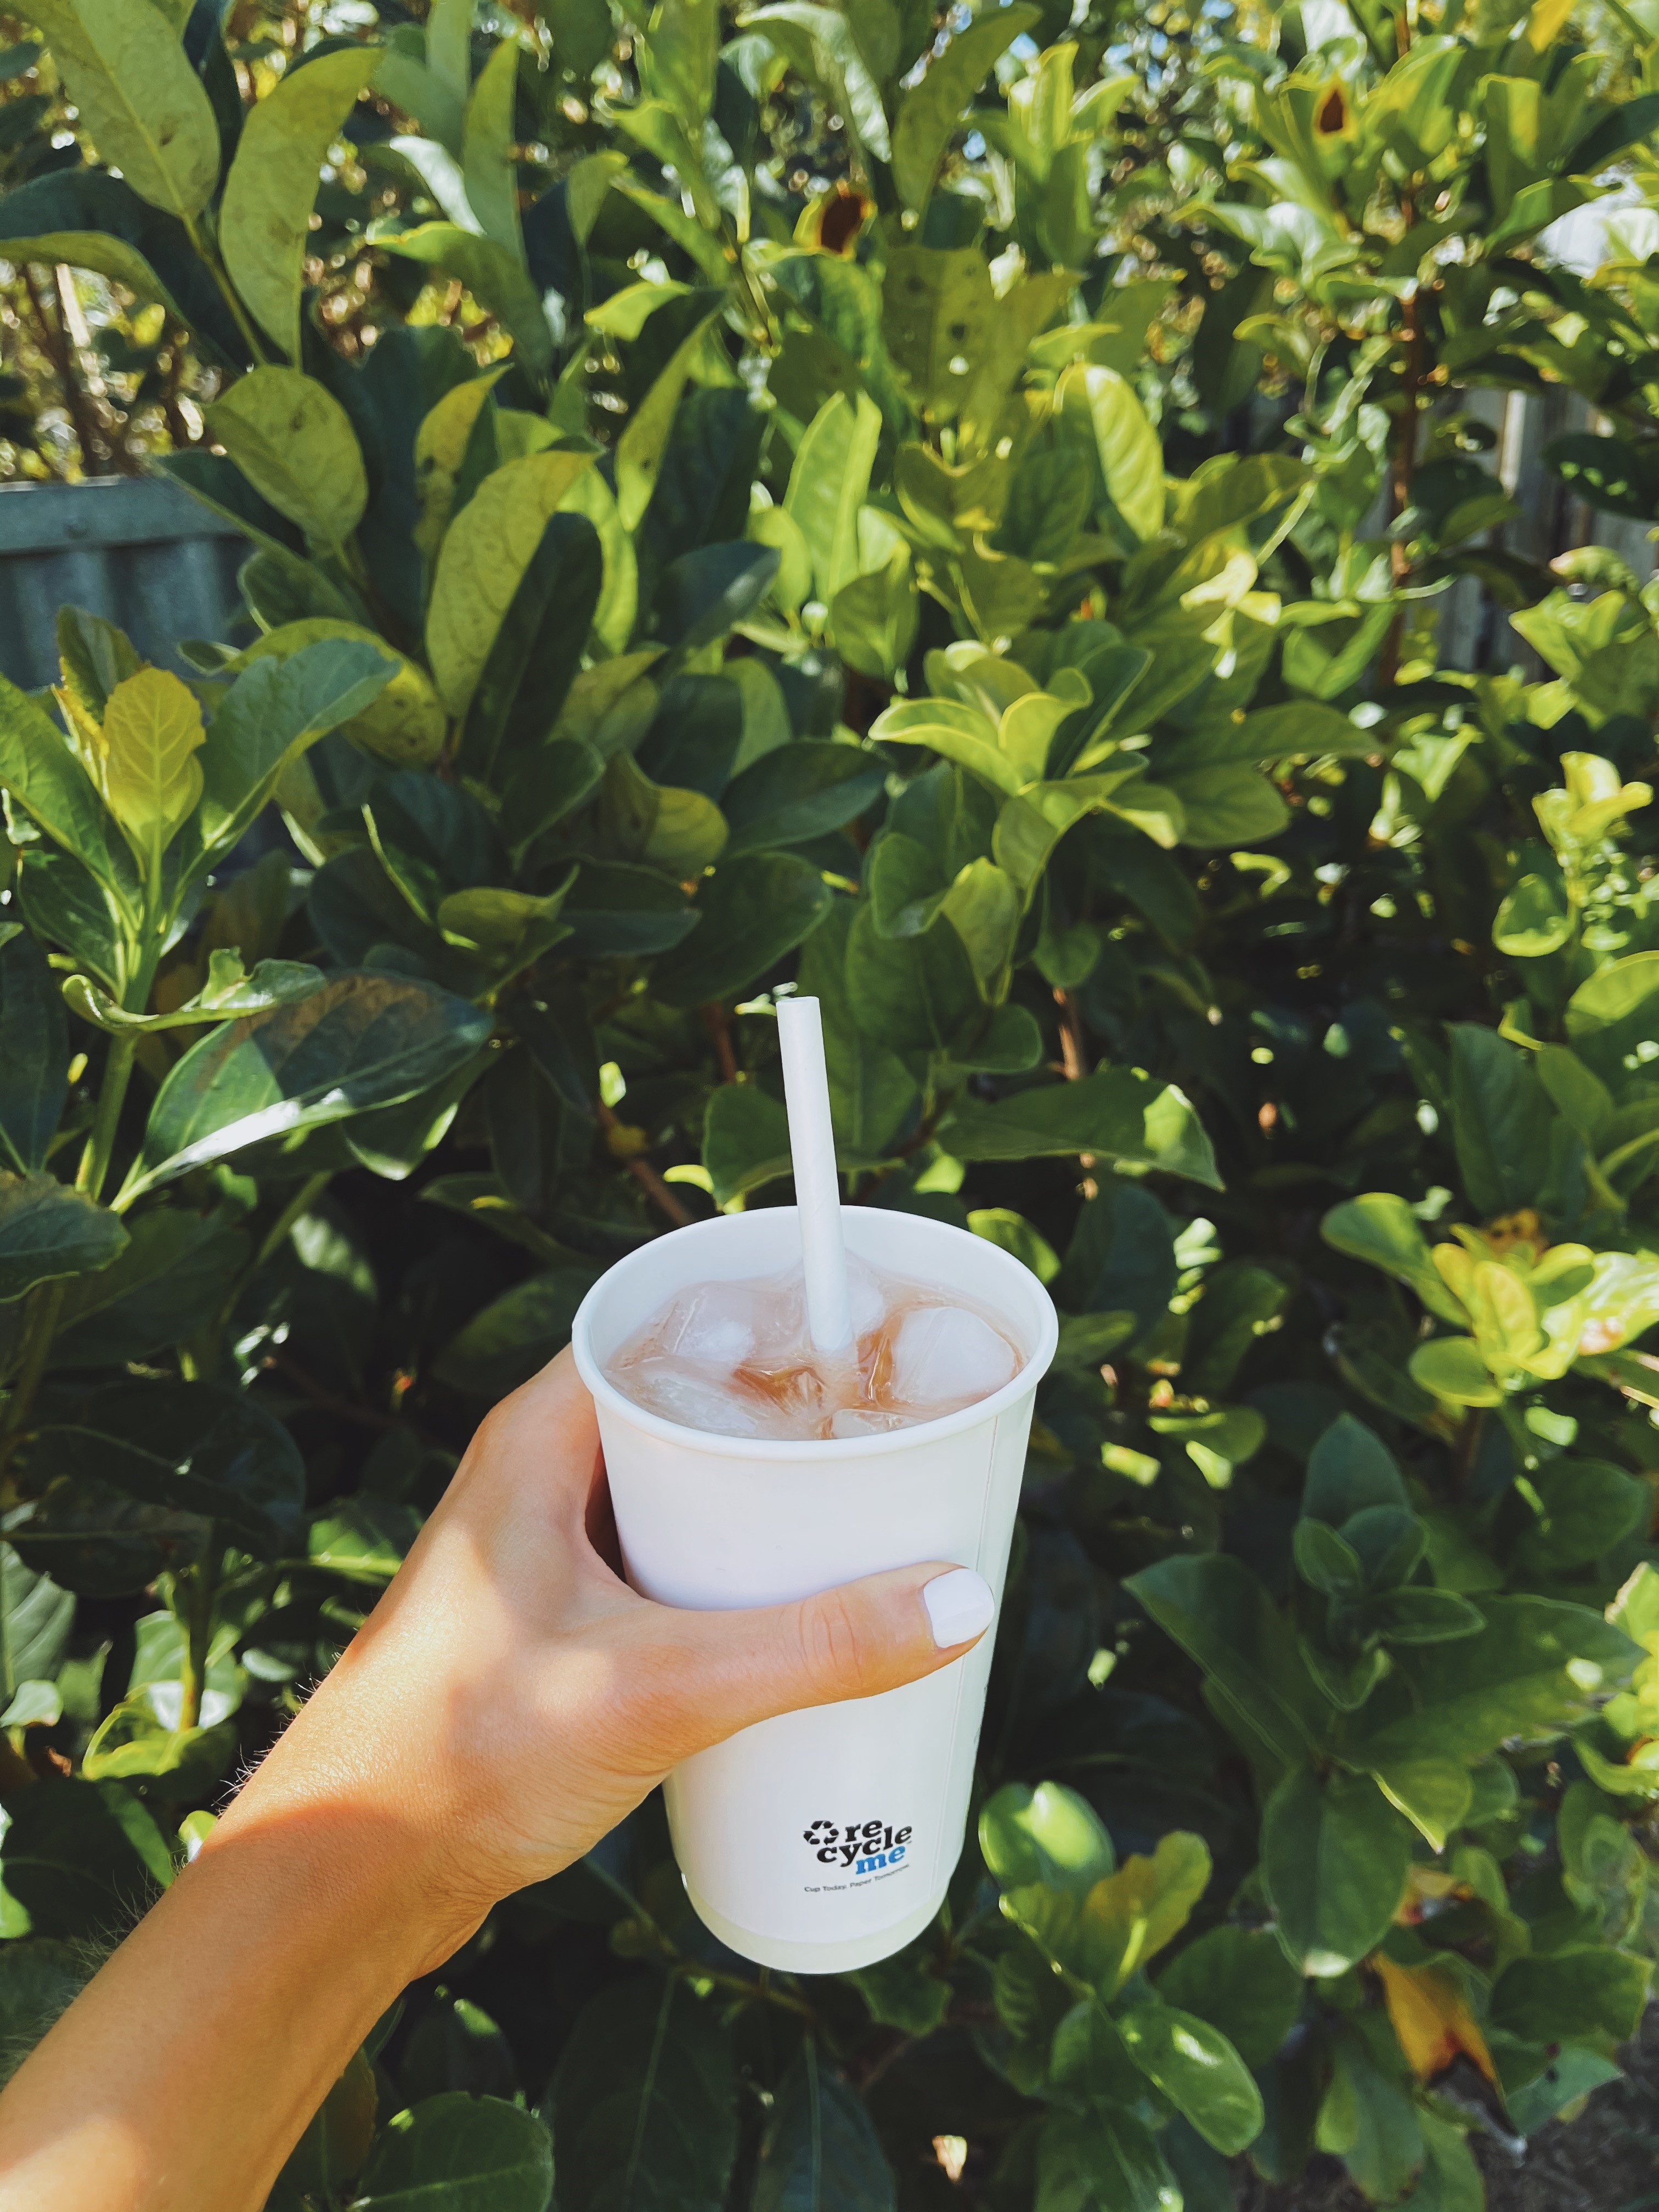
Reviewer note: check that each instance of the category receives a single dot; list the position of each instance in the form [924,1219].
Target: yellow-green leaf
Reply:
[406,725]
[482,562]
[139,98]
[151,779]
[293,442]
[265,219]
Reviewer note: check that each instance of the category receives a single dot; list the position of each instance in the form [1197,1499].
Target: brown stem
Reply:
[646,1176]
[718,1022]
[1073,1048]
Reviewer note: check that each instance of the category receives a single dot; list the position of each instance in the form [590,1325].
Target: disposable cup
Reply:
[821,1840]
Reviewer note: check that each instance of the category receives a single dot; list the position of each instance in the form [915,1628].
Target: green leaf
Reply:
[362,1041]
[1453,1369]
[145,756]
[938,310]
[1534,919]
[1197,2071]
[75,1856]
[265,220]
[39,1977]
[1349,1470]
[1612,1013]
[492,273]
[643,2103]
[1583,1990]
[874,618]
[131,1744]
[930,113]
[192,1447]
[1115,1113]
[1531,1673]
[293,442]
[911,995]
[272,712]
[640,449]
[177,1274]
[1125,443]
[820,2152]
[1433,1791]
[1221,1616]
[798,792]
[487,149]
[1381,1230]
[1240,1980]
[750,912]
[828,484]
[516,1335]
[1102,2161]
[42,776]
[1334,1857]
[1501,1119]
[871,1090]
[33,1052]
[48,1230]
[485,553]
[1584,1508]
[1048,1835]
[746,1139]
[138,97]
[456,2153]
[35,1621]
[1226,807]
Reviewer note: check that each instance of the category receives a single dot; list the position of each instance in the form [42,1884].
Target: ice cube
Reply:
[946,1356]
[863,1421]
[714,1325]
[864,1297]
[694,1399]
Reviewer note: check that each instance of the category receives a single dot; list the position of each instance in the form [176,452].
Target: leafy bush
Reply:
[737,506]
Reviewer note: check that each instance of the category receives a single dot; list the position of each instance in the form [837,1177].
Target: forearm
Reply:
[181,2077]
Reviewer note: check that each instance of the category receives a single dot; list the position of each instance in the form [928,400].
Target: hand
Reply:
[508,1700]
[512,1687]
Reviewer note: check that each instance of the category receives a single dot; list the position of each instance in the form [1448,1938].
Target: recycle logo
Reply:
[821,1831]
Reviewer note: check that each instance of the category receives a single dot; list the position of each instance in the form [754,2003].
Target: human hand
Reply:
[511,1698]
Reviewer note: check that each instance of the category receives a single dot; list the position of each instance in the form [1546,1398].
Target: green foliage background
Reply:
[951,513]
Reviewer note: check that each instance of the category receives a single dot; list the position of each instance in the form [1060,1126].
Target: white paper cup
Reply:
[714,1521]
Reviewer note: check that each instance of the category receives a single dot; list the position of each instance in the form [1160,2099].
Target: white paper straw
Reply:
[817,1189]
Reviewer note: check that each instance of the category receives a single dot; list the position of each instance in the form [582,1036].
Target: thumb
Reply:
[854,1641]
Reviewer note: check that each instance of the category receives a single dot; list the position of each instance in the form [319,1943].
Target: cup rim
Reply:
[820,1450]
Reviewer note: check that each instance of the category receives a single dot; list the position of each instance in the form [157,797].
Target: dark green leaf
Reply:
[643,2103]
[748,913]
[1115,1114]
[193,1448]
[35,1620]
[461,2154]
[1240,1980]
[33,1052]
[820,2152]
[1334,1857]
[363,1041]
[1349,1470]
[798,792]
[1584,1990]
[1501,1119]
[175,1275]
[76,1857]
[516,1335]
[1221,1617]
[746,1139]
[48,1230]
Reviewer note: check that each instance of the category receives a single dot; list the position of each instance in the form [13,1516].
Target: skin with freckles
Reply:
[506,1703]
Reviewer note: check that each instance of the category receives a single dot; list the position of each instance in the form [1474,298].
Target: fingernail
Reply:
[959,1605]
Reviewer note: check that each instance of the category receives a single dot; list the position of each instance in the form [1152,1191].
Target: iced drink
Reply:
[735,1358]
[733,1485]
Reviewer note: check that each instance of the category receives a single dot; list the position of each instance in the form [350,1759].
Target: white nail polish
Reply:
[959,1605]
